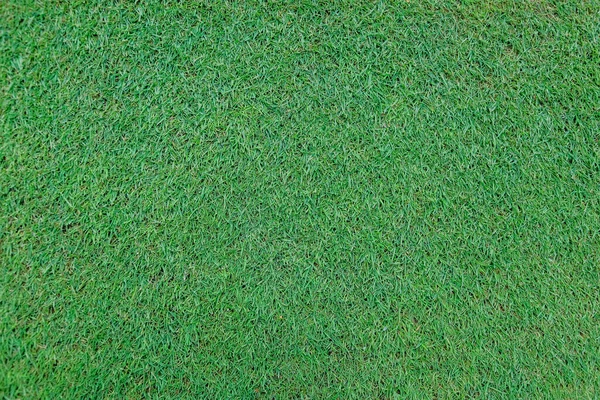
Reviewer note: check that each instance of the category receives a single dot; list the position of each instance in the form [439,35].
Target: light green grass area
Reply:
[300,199]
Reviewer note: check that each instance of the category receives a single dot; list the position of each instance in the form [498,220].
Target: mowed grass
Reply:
[300,199]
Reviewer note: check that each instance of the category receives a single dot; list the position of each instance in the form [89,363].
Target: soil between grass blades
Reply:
[317,199]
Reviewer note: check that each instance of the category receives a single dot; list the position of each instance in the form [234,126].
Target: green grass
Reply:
[300,199]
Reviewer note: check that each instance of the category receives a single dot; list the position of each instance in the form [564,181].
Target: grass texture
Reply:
[300,199]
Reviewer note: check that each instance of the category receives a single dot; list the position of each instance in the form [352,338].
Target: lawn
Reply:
[300,199]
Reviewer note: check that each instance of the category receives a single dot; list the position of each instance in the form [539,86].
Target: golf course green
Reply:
[311,199]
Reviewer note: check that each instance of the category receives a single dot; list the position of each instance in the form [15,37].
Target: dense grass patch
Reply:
[300,199]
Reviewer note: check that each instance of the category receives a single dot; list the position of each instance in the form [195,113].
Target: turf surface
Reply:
[300,199]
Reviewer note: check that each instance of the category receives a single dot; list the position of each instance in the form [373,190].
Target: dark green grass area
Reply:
[300,199]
